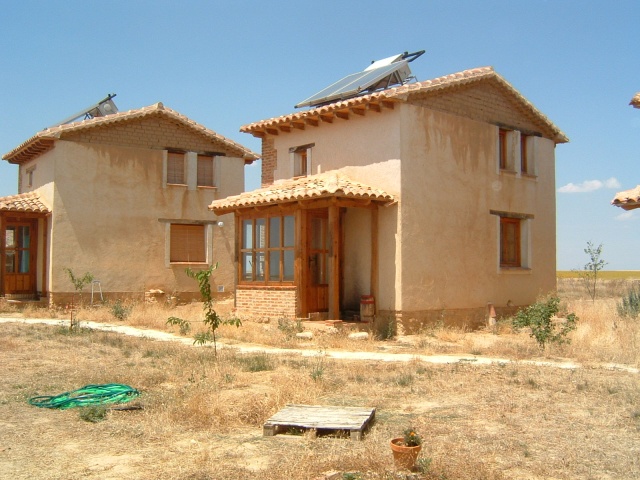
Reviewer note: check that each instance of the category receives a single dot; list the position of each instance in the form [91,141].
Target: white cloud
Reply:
[612,183]
[626,216]
[589,186]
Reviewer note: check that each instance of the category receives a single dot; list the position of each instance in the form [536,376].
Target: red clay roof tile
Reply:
[23,202]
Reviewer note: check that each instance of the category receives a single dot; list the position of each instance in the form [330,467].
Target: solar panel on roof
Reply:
[354,84]
[382,74]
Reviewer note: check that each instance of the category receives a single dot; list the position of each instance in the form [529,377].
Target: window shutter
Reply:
[205,171]
[175,168]
[188,243]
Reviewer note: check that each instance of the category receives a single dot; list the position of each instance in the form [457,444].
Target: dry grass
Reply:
[203,415]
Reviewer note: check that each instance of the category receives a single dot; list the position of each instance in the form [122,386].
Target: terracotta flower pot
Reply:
[403,456]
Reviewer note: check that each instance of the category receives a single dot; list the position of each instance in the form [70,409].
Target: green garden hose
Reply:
[87,395]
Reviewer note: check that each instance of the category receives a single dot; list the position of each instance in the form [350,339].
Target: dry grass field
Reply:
[203,416]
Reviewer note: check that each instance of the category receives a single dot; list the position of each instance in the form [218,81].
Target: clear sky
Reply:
[226,64]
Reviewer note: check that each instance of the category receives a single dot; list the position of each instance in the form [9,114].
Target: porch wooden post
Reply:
[374,255]
[334,263]
[301,256]
[3,237]
[45,236]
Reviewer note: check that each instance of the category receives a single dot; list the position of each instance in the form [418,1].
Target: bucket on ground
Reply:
[367,308]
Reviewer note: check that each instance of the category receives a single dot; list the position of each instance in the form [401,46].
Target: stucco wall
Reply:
[449,245]
[110,217]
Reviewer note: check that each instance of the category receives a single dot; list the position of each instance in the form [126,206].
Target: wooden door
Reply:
[20,257]
[317,264]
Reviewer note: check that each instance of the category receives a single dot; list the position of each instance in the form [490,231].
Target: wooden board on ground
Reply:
[323,419]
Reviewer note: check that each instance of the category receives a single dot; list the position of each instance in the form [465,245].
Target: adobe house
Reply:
[629,199]
[120,196]
[437,198]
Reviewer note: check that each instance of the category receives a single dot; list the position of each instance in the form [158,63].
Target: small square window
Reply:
[503,152]
[301,160]
[187,243]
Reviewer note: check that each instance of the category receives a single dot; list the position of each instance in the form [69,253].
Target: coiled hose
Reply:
[87,395]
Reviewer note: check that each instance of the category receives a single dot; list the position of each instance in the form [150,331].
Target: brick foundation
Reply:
[266,303]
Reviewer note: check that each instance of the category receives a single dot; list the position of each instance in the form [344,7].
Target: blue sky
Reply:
[225,64]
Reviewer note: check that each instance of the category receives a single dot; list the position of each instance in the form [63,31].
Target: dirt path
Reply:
[334,354]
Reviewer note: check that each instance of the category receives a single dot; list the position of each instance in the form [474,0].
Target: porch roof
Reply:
[29,202]
[313,187]
[627,199]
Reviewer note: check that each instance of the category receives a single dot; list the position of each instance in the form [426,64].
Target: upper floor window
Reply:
[29,174]
[503,155]
[176,168]
[516,152]
[206,171]
[301,160]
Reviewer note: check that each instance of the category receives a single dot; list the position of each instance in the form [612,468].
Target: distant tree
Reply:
[589,274]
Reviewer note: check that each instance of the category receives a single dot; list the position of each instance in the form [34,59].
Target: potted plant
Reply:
[406,449]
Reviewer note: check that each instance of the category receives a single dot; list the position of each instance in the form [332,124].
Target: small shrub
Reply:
[539,317]
[120,311]
[317,370]
[629,306]
[259,362]
[93,413]
[289,327]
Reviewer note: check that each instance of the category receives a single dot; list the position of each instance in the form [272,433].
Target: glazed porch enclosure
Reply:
[23,227]
[305,248]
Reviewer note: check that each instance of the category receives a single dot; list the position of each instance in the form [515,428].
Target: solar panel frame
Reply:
[353,84]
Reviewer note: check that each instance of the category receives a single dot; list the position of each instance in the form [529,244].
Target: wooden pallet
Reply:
[323,419]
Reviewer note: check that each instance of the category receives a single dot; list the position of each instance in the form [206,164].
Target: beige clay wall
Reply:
[449,247]
[111,214]
[372,159]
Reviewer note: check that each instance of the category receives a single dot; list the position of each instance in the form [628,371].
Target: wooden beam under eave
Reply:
[358,110]
[285,128]
[299,125]
[343,115]
[311,121]
[327,117]
[387,104]
[272,131]
[375,107]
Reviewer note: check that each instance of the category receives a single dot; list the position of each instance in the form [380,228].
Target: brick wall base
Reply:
[266,303]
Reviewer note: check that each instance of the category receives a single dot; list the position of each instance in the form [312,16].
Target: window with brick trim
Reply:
[187,243]
[267,249]
[206,171]
[176,168]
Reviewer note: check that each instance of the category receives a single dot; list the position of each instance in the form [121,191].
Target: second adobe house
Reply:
[431,201]
[120,195]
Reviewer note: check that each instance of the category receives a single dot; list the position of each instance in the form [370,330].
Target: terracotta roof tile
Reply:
[627,199]
[44,139]
[635,101]
[23,202]
[324,185]
[404,92]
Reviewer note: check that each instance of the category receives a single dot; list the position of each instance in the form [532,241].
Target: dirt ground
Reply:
[203,416]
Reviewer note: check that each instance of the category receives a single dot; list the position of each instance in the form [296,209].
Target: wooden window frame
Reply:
[301,160]
[187,243]
[509,225]
[503,160]
[265,249]
[524,154]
